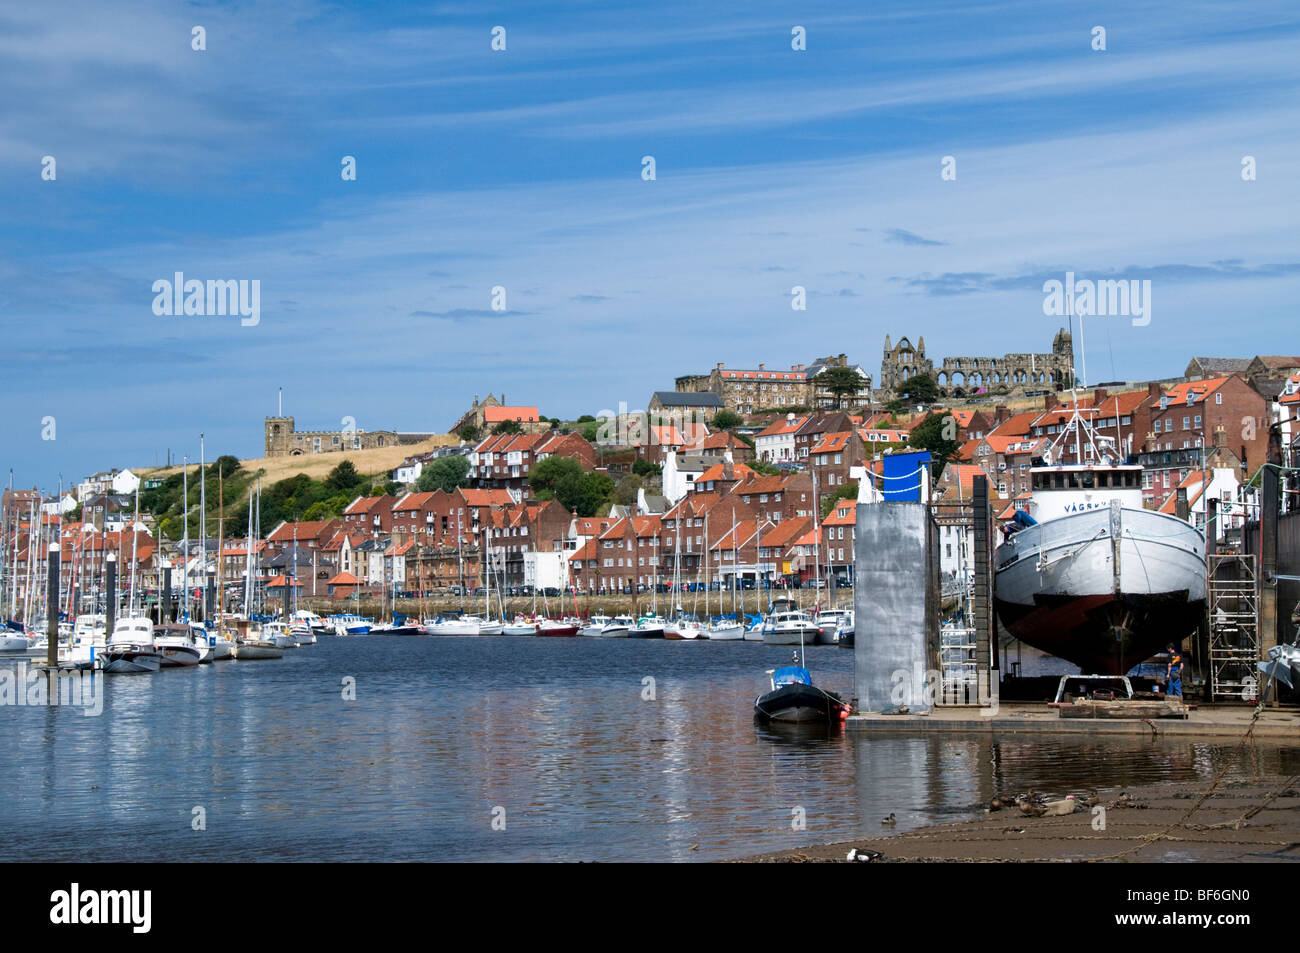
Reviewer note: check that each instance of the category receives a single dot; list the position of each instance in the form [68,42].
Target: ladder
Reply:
[957,667]
[1232,604]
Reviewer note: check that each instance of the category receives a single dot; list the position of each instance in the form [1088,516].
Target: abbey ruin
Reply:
[1011,374]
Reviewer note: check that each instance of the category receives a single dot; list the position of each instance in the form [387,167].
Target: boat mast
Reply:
[185,542]
[707,585]
[221,519]
[135,540]
[248,561]
[817,547]
[203,524]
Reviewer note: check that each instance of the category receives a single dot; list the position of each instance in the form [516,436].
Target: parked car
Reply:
[843,582]
[550,591]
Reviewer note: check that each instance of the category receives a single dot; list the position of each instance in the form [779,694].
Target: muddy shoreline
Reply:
[1253,820]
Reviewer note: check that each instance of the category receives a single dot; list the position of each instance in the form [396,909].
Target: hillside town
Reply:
[736,478]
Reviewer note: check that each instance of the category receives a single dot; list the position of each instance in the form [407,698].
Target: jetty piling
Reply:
[52,609]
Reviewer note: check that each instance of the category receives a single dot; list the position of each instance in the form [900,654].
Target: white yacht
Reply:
[790,627]
[130,649]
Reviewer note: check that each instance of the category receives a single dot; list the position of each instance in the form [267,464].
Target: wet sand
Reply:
[1241,821]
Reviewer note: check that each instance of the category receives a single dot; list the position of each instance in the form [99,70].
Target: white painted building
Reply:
[775,443]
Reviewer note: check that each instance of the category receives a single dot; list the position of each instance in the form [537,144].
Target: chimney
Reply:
[762,367]
[1099,396]
[728,470]
[1220,437]
[719,365]
[1000,413]
[1154,391]
[1050,400]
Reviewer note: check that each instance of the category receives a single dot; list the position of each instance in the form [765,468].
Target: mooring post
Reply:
[1268,523]
[52,608]
[986,647]
[165,597]
[110,596]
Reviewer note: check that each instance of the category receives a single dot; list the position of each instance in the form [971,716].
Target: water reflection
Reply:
[555,731]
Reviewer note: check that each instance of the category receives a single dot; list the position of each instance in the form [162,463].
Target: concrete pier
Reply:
[896,602]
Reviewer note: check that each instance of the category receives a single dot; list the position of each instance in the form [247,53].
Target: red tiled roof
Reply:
[831,443]
[1198,390]
[496,415]
[344,579]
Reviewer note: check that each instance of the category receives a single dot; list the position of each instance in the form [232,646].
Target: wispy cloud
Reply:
[903,237]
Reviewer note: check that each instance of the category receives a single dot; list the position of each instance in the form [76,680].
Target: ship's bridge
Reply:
[1073,488]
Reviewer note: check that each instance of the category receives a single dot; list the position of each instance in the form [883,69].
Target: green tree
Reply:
[594,492]
[763,468]
[317,511]
[563,479]
[625,491]
[446,473]
[468,433]
[921,389]
[585,419]
[938,434]
[344,477]
[643,467]
[845,491]
[226,465]
[508,426]
[842,382]
[726,419]
[556,478]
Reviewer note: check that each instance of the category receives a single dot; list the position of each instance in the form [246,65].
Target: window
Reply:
[1218,398]
[1187,423]
[1197,421]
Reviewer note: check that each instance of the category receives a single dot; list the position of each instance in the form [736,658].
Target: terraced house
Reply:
[504,461]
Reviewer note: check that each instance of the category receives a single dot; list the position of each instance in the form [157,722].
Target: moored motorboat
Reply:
[647,627]
[175,643]
[254,649]
[617,628]
[725,630]
[794,698]
[790,627]
[131,649]
[278,633]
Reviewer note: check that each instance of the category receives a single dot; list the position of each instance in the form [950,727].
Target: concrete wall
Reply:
[896,604]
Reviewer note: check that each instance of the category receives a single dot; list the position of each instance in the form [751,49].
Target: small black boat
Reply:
[795,698]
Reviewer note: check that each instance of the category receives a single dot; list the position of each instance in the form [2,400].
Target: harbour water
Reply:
[554,740]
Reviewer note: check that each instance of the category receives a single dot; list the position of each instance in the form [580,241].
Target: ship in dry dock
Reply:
[1092,577]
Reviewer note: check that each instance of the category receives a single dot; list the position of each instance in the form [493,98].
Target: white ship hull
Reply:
[1104,588]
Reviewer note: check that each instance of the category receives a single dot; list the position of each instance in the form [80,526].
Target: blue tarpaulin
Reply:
[902,479]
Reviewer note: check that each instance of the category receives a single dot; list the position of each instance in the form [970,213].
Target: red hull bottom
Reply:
[1104,634]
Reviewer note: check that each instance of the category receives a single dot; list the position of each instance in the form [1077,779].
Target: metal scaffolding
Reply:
[1232,602]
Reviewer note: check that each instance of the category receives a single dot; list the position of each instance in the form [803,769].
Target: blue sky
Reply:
[522,169]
